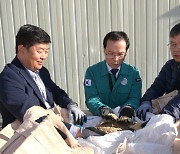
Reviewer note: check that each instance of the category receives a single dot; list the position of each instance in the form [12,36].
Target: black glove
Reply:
[104,111]
[127,111]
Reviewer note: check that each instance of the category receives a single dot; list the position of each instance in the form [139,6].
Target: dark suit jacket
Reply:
[18,92]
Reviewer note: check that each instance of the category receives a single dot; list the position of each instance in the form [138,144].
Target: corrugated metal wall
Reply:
[77,28]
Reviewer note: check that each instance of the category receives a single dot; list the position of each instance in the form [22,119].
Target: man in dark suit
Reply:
[167,81]
[25,82]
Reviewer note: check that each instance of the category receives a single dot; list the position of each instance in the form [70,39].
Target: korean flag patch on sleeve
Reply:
[87,82]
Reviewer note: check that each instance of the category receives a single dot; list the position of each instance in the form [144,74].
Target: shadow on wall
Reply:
[173,13]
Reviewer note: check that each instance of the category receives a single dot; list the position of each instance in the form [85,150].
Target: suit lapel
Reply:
[50,98]
[121,80]
[31,82]
[103,68]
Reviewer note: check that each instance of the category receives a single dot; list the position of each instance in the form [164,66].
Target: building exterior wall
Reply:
[77,29]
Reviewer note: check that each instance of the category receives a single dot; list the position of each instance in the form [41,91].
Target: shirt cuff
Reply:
[74,130]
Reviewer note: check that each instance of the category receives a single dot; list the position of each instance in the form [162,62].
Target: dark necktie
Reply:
[114,71]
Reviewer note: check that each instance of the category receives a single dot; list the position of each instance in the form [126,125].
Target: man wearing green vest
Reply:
[113,83]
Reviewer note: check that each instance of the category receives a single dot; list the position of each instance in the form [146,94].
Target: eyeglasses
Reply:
[112,55]
[173,46]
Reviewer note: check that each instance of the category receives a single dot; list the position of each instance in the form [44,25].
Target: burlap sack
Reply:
[36,138]
[63,112]
[36,112]
[7,132]
[33,137]
[159,103]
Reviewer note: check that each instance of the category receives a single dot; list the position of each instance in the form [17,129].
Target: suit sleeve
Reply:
[93,101]
[13,94]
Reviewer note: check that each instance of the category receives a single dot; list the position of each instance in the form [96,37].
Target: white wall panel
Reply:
[77,29]
[2,54]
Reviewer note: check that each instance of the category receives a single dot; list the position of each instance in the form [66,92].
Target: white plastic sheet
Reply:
[156,138]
